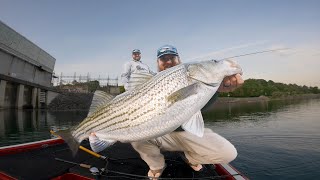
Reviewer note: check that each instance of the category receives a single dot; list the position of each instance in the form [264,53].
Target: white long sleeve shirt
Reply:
[133,67]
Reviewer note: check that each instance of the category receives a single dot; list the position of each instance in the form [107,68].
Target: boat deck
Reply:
[123,162]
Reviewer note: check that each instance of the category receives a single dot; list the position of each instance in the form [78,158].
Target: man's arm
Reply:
[125,75]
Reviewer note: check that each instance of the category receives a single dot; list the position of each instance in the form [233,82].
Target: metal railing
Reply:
[69,79]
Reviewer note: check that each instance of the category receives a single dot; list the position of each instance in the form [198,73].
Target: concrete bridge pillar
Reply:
[50,96]
[3,85]
[2,124]
[20,120]
[34,98]
[38,96]
[34,120]
[20,96]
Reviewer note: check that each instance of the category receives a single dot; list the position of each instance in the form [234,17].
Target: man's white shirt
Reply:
[133,67]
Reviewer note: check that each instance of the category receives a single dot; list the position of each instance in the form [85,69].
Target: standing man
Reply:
[209,149]
[134,66]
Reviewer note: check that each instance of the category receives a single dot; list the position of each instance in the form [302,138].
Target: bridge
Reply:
[26,72]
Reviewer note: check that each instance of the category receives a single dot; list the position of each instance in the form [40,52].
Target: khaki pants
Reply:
[209,149]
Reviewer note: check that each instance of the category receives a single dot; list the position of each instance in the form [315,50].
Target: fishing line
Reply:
[259,52]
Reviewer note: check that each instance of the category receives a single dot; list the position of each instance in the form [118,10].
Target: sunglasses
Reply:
[166,58]
[168,49]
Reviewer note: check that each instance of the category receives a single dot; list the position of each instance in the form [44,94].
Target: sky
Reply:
[97,37]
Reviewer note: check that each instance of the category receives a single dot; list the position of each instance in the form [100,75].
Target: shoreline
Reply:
[223,100]
[82,102]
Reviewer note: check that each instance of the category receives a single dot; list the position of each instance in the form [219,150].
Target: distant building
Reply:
[25,71]
[74,88]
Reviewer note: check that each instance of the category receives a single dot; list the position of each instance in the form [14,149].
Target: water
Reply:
[21,126]
[275,140]
[278,140]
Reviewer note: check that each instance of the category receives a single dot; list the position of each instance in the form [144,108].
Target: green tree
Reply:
[259,87]
[93,86]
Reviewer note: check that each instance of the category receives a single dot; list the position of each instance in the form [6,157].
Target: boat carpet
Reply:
[123,163]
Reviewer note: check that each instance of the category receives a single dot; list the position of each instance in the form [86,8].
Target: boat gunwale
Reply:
[4,176]
[18,148]
[230,172]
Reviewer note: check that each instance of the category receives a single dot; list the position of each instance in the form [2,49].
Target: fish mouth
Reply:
[207,84]
[211,84]
[235,65]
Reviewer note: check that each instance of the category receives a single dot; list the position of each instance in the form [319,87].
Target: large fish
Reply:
[155,105]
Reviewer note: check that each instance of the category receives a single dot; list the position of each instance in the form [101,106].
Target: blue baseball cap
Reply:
[167,49]
[136,51]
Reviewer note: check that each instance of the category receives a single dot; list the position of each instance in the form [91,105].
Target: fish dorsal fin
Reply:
[137,79]
[195,125]
[98,145]
[99,99]
[183,93]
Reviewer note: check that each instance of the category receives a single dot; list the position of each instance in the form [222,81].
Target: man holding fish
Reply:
[206,148]
[161,111]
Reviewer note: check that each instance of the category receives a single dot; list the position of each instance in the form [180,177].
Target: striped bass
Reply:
[155,105]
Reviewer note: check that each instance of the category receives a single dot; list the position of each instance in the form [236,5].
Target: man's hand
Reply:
[230,83]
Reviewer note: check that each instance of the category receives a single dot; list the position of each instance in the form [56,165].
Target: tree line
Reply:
[261,87]
[250,88]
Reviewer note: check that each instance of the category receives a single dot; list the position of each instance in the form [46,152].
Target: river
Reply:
[275,139]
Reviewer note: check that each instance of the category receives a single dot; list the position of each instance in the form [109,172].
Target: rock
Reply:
[71,101]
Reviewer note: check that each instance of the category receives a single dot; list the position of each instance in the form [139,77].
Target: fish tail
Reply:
[70,140]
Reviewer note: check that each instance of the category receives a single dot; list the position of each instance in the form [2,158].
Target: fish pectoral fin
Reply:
[136,79]
[99,99]
[195,125]
[98,145]
[183,93]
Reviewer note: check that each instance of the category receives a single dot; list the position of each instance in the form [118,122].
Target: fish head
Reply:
[212,72]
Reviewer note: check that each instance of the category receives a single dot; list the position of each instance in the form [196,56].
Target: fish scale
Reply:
[141,116]
[162,86]
[155,107]
[154,130]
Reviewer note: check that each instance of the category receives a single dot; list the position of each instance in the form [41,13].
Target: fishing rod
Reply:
[94,171]
[100,172]
[70,162]
[258,52]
